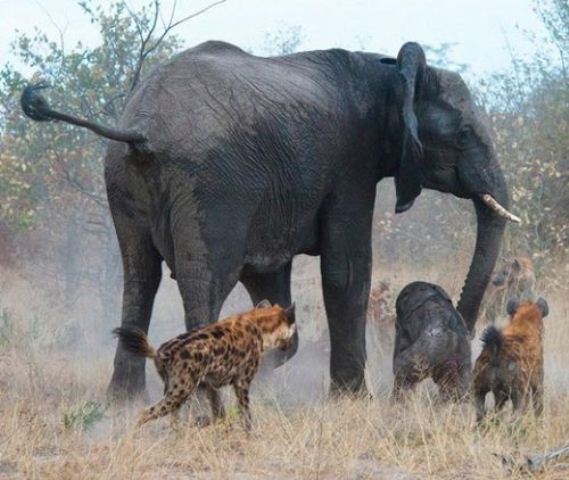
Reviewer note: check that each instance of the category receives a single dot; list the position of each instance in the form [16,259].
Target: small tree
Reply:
[528,111]
[51,175]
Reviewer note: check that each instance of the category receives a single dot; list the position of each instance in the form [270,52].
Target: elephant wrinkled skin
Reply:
[226,165]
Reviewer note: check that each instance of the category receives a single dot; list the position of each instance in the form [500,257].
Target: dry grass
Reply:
[49,430]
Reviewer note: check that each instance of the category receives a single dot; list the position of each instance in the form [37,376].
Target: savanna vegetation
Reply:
[60,279]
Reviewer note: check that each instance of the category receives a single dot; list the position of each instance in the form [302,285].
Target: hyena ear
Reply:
[516,266]
[290,313]
[264,304]
[512,306]
[543,306]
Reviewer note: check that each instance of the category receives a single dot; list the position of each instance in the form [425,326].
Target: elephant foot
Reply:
[122,390]
[353,386]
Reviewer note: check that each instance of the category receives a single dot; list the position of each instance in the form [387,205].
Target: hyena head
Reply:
[512,272]
[278,325]
[528,312]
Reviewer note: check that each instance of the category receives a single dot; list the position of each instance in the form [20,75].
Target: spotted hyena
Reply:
[511,362]
[514,278]
[431,340]
[224,353]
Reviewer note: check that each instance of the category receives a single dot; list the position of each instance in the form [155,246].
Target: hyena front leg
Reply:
[175,419]
[241,388]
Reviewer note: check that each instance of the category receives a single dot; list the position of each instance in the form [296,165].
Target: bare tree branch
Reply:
[78,186]
[536,463]
[147,47]
[60,31]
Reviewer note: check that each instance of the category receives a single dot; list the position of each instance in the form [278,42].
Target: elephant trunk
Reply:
[490,230]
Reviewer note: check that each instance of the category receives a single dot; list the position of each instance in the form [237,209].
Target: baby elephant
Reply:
[431,340]
[511,362]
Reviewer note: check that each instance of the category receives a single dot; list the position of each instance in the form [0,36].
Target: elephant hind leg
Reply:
[142,275]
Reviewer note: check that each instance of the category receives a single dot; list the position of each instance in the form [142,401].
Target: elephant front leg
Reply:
[208,261]
[346,273]
[275,287]
[204,285]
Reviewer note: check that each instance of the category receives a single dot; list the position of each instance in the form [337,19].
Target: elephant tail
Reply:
[36,107]
[135,341]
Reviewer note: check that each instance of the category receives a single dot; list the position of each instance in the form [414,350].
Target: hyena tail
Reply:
[493,341]
[135,341]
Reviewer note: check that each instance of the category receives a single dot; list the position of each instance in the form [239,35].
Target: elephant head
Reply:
[446,147]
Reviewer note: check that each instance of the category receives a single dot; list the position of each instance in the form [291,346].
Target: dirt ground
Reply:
[55,424]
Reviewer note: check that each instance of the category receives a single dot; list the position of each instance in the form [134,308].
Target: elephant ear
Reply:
[412,65]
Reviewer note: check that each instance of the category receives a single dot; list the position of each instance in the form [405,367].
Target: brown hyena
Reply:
[380,319]
[224,353]
[379,305]
[431,340]
[514,278]
[511,362]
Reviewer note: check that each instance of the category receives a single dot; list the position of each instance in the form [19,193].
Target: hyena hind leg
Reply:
[480,403]
[500,399]
[216,403]
[170,404]
[520,400]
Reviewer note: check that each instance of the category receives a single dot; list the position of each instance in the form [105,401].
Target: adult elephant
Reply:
[226,166]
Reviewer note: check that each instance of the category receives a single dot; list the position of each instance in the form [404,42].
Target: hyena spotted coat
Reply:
[224,353]
[511,362]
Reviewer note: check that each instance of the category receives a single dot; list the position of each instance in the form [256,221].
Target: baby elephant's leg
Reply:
[409,368]
[453,379]
[405,381]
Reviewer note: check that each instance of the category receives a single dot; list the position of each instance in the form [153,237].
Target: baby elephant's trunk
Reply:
[135,341]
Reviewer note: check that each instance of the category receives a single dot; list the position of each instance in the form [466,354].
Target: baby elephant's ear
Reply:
[289,312]
[543,306]
[512,306]
[264,304]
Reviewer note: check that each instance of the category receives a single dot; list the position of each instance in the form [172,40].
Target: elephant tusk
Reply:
[493,205]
